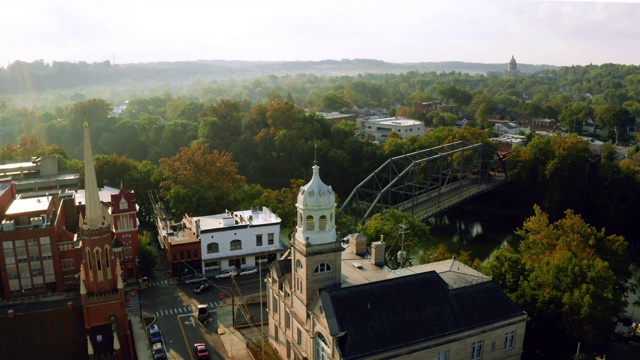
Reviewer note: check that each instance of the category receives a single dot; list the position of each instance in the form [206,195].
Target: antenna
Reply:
[315,153]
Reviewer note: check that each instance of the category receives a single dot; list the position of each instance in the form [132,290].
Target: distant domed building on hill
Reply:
[511,72]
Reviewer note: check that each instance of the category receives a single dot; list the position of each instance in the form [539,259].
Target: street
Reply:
[173,307]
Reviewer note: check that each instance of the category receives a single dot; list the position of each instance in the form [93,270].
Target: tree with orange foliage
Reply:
[197,181]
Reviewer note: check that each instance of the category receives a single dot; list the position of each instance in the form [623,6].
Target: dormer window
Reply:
[322,268]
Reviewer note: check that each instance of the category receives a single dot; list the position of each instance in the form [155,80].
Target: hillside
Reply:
[39,77]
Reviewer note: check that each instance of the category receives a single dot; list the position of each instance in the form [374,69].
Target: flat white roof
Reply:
[396,121]
[244,217]
[24,205]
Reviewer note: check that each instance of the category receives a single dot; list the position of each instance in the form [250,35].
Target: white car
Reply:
[224,274]
[196,279]
[249,271]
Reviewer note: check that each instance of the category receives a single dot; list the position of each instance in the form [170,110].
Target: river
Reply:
[465,227]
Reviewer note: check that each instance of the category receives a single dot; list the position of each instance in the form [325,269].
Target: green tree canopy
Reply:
[400,231]
[568,276]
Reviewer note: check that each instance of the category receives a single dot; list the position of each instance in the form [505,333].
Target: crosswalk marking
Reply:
[183,309]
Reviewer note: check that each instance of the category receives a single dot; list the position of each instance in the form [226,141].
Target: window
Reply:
[322,347]
[212,248]
[12,274]
[476,350]
[310,223]
[442,355]
[298,265]
[236,245]
[275,332]
[299,336]
[259,240]
[322,268]
[36,272]
[68,264]
[33,258]
[323,223]
[287,319]
[509,340]
[275,304]
[270,238]
[128,252]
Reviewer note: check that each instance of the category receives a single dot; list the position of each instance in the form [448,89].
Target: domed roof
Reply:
[512,64]
[316,194]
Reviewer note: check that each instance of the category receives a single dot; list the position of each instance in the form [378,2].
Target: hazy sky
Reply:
[488,31]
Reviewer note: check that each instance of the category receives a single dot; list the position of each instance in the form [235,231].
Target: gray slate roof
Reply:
[390,314]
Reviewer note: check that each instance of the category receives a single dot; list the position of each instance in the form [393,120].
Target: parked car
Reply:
[159,351]
[155,335]
[224,274]
[203,287]
[249,271]
[196,279]
[201,351]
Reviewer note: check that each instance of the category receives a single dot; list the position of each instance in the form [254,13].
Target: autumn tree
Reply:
[567,275]
[198,181]
[441,253]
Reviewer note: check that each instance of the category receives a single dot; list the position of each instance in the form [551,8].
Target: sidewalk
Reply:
[140,339]
[233,340]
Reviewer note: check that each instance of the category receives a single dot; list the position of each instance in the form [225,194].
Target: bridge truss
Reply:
[426,182]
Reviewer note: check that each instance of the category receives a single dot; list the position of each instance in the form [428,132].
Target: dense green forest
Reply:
[207,145]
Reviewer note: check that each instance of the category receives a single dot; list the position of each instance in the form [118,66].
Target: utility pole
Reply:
[233,301]
[402,255]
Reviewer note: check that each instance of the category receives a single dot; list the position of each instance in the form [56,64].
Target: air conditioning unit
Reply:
[39,221]
[8,225]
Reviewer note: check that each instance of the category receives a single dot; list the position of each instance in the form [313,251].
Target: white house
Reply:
[236,240]
[381,128]
[509,128]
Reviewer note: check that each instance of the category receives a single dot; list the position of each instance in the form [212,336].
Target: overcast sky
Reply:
[487,31]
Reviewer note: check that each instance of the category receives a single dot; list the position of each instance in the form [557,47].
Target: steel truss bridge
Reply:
[427,182]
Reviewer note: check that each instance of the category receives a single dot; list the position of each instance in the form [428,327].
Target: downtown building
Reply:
[81,242]
[327,300]
[212,243]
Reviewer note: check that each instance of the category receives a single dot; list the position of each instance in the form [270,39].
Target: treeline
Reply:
[22,77]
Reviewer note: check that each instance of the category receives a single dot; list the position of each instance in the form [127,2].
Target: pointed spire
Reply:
[89,346]
[116,342]
[93,208]
[119,274]
[83,286]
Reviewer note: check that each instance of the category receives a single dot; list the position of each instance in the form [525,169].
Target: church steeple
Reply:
[93,208]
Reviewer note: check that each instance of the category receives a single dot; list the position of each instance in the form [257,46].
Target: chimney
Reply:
[358,244]
[377,253]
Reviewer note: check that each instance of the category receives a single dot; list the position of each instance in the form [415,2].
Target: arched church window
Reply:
[89,259]
[311,225]
[99,259]
[106,257]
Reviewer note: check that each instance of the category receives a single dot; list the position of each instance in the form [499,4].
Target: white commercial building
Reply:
[236,240]
[381,128]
